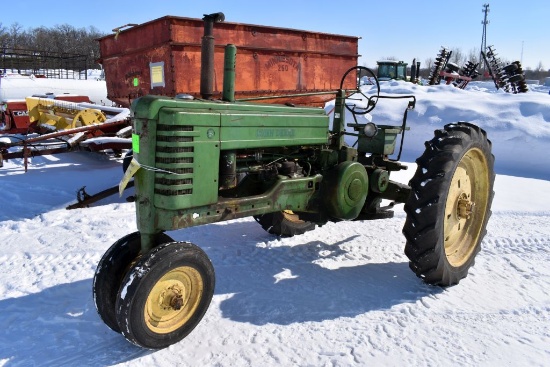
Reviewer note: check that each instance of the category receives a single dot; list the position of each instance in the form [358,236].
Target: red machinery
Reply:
[40,126]
[15,115]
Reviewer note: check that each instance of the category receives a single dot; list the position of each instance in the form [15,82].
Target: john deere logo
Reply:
[275,133]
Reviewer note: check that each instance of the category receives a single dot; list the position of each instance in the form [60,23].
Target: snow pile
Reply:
[340,295]
[20,87]
[517,124]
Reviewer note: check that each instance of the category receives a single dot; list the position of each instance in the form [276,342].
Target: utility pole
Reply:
[521,59]
[485,10]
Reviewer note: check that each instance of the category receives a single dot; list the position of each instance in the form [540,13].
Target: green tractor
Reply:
[200,161]
[397,70]
[392,70]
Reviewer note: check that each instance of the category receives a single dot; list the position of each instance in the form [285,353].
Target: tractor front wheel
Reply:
[110,271]
[449,205]
[165,295]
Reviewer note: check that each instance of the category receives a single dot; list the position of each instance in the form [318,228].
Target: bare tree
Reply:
[458,57]
[42,39]
[473,56]
[429,62]
[3,35]
[62,39]
[14,35]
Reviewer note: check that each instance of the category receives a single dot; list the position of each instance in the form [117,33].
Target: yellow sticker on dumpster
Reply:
[130,172]
[135,143]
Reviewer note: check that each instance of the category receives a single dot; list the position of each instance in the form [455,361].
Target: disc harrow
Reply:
[509,78]
[443,69]
[440,64]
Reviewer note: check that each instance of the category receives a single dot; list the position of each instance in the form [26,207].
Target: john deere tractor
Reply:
[201,161]
[392,70]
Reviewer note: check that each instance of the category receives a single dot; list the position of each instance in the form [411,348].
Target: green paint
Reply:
[135,143]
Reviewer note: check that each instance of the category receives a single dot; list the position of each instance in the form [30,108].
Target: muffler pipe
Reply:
[207,54]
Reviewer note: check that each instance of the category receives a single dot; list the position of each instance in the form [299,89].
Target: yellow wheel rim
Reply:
[173,300]
[291,216]
[466,207]
[87,117]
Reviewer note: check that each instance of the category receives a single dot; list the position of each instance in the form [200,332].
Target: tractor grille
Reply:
[175,139]
[173,192]
[165,181]
[164,127]
[175,155]
[162,149]
[170,160]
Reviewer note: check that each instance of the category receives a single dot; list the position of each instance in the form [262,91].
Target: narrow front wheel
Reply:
[165,295]
[111,270]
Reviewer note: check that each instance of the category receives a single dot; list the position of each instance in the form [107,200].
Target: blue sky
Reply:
[399,29]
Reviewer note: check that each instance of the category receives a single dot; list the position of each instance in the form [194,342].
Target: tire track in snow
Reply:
[507,245]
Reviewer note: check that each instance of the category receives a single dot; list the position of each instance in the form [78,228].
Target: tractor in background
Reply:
[397,70]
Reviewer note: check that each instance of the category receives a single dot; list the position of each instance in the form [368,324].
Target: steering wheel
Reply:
[360,76]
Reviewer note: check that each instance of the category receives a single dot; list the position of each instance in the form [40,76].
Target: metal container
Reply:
[163,57]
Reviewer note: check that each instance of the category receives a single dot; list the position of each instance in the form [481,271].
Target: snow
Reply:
[19,86]
[341,295]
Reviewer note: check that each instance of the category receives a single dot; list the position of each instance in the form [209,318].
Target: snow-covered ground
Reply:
[341,295]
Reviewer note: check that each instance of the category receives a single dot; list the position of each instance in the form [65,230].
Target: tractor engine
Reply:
[216,161]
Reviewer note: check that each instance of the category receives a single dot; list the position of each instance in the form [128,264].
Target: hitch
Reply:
[84,199]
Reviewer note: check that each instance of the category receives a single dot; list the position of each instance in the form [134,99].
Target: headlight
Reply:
[370,130]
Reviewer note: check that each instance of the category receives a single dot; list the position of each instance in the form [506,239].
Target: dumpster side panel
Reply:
[129,77]
[144,36]
[270,61]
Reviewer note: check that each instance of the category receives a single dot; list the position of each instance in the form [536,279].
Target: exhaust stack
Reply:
[207,54]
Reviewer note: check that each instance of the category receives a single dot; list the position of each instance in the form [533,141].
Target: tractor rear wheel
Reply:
[165,295]
[449,205]
[285,223]
[110,271]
